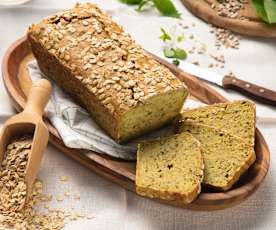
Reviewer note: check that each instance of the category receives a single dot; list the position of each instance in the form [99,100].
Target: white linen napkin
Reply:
[78,130]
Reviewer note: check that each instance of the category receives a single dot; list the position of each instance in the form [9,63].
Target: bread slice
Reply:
[170,168]
[226,157]
[237,118]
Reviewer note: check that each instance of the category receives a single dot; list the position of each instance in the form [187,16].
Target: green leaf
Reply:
[270,8]
[165,36]
[169,52]
[141,5]
[166,8]
[131,2]
[175,53]
[176,62]
[180,54]
[180,38]
[266,9]
[259,6]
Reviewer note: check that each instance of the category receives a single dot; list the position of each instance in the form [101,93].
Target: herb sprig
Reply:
[266,9]
[170,51]
[165,36]
[165,7]
[177,53]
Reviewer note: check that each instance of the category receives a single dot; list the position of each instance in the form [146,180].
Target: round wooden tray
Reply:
[16,80]
[253,26]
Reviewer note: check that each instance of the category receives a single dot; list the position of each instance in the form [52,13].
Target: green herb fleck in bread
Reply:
[170,168]
[226,157]
[237,118]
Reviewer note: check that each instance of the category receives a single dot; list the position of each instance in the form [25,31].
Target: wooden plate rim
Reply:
[222,199]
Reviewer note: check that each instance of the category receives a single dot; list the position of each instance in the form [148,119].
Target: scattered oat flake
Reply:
[67,194]
[76,197]
[64,178]
[80,215]
[89,217]
[73,216]
[226,38]
[59,198]
[196,63]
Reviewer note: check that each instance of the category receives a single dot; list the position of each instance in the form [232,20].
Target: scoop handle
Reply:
[38,97]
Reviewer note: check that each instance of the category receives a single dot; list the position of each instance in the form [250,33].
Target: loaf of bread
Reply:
[237,118]
[90,56]
[226,157]
[170,168]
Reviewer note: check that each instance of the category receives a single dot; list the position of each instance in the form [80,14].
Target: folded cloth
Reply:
[78,129]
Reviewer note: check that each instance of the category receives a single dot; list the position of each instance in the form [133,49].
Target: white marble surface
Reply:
[114,207]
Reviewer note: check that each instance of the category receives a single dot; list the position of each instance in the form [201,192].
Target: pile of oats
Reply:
[14,212]
[225,38]
[29,218]
[229,8]
[12,184]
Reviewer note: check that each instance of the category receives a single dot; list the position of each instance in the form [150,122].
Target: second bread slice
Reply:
[170,168]
[237,118]
[226,157]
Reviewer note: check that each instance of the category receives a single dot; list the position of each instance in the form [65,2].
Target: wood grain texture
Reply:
[123,172]
[253,26]
[251,90]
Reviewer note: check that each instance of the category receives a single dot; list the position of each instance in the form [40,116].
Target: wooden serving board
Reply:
[252,26]
[16,80]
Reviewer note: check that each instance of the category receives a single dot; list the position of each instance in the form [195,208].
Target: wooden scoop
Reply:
[29,122]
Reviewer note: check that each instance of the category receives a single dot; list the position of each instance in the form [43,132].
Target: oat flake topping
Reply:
[105,58]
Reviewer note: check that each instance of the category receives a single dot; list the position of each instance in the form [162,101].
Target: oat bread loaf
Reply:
[237,118]
[170,168]
[90,56]
[226,157]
